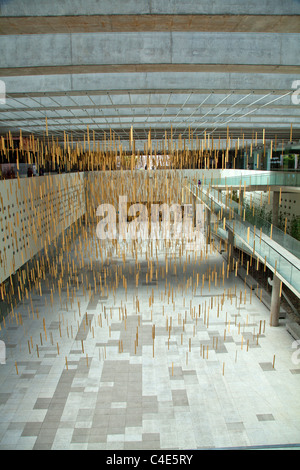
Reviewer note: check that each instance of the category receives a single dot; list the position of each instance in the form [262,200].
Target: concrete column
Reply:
[275,302]
[241,196]
[268,152]
[241,200]
[275,208]
[194,209]
[230,244]
[245,161]
[207,220]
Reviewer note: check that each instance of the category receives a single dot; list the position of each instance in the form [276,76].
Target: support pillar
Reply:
[275,302]
[241,196]
[241,200]
[208,221]
[244,161]
[194,209]
[275,208]
[230,244]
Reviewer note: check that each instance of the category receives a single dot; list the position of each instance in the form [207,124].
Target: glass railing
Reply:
[260,242]
[257,179]
[229,206]
[271,255]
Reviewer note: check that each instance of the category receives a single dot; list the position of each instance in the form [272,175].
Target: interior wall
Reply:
[33,212]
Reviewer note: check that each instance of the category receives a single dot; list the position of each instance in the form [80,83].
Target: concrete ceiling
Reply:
[201,66]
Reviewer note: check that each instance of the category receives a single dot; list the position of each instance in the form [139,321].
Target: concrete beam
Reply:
[158,108]
[149,52]
[143,83]
[95,113]
[146,7]
[237,130]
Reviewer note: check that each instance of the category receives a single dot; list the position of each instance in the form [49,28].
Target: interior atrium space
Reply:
[149,226]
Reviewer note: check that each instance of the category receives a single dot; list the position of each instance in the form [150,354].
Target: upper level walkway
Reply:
[258,181]
[279,251]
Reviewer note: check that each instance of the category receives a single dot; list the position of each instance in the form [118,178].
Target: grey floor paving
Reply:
[98,383]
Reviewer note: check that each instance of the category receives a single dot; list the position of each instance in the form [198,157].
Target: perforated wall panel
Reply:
[33,212]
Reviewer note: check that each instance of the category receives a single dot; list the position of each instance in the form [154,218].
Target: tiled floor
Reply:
[81,374]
